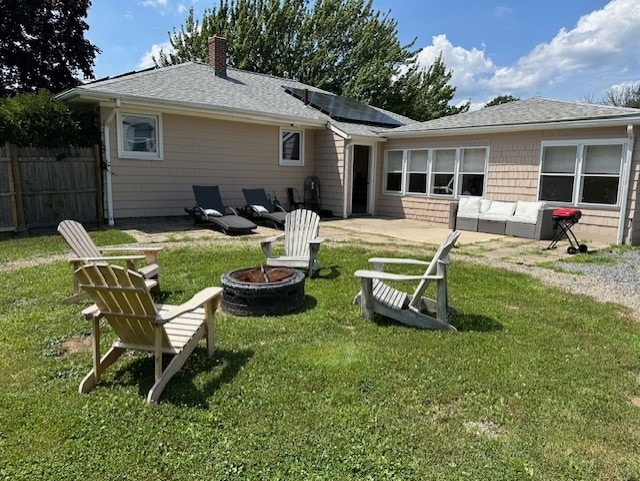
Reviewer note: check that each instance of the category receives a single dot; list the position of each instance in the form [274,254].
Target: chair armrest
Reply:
[200,299]
[317,240]
[388,276]
[107,258]
[91,312]
[230,209]
[272,239]
[130,249]
[279,207]
[397,260]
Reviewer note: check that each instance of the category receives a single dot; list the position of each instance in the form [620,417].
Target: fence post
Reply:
[17,186]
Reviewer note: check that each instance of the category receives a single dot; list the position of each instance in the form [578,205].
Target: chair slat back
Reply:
[208,197]
[440,255]
[78,239]
[258,197]
[123,299]
[300,227]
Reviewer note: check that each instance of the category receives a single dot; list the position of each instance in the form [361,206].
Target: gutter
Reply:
[107,160]
[626,173]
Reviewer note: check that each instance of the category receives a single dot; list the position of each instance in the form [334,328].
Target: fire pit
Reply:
[262,291]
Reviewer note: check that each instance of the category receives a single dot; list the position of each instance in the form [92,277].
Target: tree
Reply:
[627,96]
[43,46]
[343,46]
[502,99]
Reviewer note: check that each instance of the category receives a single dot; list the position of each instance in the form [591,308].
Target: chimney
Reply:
[218,55]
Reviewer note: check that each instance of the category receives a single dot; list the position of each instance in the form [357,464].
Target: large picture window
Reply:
[139,136]
[291,147]
[581,173]
[436,172]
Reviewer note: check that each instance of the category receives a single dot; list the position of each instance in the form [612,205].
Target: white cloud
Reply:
[147,59]
[160,4]
[502,12]
[603,44]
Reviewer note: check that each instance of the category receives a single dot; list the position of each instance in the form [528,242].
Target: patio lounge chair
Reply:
[377,297]
[301,242]
[123,299]
[260,207]
[209,208]
[86,251]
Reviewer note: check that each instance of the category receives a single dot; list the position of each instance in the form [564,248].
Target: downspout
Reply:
[626,172]
[107,160]
[346,177]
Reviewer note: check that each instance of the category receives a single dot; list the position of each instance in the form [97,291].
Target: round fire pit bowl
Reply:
[262,291]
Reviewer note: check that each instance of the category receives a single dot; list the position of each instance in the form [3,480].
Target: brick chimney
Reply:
[218,55]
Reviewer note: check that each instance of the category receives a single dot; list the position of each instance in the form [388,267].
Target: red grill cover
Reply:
[567,213]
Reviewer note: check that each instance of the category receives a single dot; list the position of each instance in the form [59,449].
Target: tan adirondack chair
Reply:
[301,242]
[86,251]
[123,299]
[377,297]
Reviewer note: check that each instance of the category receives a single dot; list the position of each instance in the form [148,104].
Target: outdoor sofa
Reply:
[528,219]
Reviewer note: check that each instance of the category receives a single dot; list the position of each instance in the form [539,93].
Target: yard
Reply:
[538,384]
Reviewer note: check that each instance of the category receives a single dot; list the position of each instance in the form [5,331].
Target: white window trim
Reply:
[126,154]
[579,170]
[407,172]
[289,162]
[456,174]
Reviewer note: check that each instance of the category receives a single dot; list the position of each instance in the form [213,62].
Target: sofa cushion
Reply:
[526,212]
[469,207]
[498,211]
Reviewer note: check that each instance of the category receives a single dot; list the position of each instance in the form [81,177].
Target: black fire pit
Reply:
[262,291]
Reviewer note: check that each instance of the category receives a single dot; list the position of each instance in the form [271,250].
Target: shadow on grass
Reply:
[333,273]
[462,322]
[181,390]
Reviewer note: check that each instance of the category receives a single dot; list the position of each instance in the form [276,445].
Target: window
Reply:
[291,147]
[577,173]
[139,136]
[437,172]
[393,171]
[443,171]
[418,164]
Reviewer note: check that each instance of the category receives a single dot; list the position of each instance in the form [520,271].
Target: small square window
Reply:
[291,147]
[139,136]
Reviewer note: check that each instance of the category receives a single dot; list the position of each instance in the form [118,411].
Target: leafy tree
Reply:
[343,46]
[42,45]
[35,119]
[502,99]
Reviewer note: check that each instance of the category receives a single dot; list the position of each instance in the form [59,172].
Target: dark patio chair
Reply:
[209,208]
[261,208]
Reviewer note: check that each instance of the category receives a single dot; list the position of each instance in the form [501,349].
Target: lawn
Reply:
[537,384]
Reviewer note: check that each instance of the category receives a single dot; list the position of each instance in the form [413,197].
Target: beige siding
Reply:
[329,155]
[231,155]
[513,174]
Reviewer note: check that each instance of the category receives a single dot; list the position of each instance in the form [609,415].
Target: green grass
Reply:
[536,385]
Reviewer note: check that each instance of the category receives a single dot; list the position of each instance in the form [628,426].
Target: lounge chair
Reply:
[377,297]
[123,299]
[301,242]
[86,252]
[293,196]
[209,208]
[261,208]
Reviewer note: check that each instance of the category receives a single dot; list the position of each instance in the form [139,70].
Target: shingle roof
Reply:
[194,85]
[521,113]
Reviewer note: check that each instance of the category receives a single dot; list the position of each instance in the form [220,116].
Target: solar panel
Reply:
[343,109]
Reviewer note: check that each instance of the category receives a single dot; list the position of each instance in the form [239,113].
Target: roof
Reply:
[523,115]
[194,86]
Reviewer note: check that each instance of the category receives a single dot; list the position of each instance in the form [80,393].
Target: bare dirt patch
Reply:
[75,344]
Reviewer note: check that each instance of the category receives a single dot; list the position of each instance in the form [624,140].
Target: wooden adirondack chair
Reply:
[301,242]
[378,297]
[86,251]
[123,299]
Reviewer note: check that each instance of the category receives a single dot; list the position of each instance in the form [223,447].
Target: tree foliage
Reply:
[35,119]
[43,46]
[502,99]
[342,46]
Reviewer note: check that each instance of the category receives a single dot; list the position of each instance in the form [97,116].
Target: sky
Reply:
[571,50]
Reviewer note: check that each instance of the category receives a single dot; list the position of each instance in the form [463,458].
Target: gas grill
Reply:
[563,221]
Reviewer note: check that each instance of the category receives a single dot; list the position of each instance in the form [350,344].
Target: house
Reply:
[168,128]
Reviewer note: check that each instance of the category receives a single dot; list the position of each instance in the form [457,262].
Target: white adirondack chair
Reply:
[86,251]
[301,242]
[377,297]
[123,299]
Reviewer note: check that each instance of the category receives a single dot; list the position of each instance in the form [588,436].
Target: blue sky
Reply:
[563,49]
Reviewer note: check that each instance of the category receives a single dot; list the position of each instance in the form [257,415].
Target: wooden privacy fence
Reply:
[40,187]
